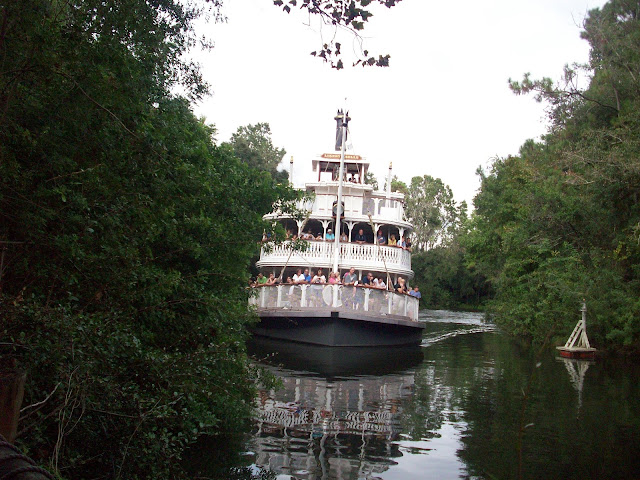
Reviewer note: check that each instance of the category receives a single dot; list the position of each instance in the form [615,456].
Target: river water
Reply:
[468,403]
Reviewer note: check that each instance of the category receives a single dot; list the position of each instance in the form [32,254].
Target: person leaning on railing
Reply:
[319,277]
[316,288]
[401,286]
[330,236]
[350,279]
[368,280]
[298,277]
[379,283]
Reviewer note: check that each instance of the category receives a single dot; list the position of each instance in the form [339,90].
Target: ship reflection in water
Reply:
[338,412]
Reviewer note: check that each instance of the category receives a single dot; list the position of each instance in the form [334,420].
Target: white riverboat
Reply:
[368,241]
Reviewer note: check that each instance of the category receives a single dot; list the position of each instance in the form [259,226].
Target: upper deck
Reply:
[361,203]
[366,212]
[365,257]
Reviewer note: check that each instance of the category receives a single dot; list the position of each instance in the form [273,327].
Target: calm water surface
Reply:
[467,403]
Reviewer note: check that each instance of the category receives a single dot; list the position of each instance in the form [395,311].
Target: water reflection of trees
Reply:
[479,383]
[444,383]
[471,388]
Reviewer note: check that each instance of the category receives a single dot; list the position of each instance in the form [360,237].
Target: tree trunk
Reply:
[11,395]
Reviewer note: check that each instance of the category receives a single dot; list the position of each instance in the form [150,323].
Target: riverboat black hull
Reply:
[338,328]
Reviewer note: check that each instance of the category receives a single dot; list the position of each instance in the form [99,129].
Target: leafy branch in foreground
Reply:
[350,16]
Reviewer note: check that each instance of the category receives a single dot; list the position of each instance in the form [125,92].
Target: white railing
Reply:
[322,206]
[320,254]
[337,297]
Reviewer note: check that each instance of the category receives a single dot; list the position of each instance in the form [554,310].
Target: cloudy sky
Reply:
[442,108]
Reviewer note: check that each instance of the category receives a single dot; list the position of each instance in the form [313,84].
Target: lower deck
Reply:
[355,300]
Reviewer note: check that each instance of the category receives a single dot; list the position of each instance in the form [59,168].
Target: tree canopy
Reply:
[253,145]
[439,258]
[370,179]
[397,185]
[351,16]
[433,212]
[560,221]
[121,294]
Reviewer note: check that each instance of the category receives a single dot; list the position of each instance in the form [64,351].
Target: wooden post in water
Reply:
[578,345]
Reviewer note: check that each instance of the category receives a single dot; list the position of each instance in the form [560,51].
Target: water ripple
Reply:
[446,316]
[430,340]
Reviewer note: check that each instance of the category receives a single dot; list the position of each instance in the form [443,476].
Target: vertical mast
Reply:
[336,253]
[291,171]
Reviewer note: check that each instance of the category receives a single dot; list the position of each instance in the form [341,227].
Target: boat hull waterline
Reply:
[338,328]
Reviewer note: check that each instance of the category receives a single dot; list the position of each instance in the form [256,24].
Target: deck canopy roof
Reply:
[355,166]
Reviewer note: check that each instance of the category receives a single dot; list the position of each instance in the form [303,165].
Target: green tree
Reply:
[433,212]
[253,145]
[446,280]
[559,222]
[120,293]
[397,185]
[370,179]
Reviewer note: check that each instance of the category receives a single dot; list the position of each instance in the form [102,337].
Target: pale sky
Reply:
[442,108]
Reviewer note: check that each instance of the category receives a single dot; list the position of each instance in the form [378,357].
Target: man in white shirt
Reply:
[295,293]
[298,277]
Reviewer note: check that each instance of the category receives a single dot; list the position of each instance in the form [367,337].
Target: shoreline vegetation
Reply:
[126,239]
[560,221]
[127,233]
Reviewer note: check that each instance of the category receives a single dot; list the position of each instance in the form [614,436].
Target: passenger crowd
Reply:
[403,241]
[307,276]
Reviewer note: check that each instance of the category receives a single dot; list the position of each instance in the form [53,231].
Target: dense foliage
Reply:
[446,280]
[439,258]
[561,221]
[435,215]
[126,237]
[253,145]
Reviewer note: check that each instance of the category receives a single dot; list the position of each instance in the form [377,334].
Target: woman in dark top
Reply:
[401,286]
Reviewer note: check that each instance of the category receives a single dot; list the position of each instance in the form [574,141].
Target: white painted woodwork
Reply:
[337,297]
